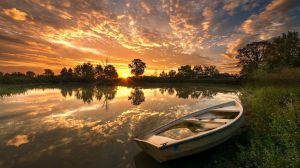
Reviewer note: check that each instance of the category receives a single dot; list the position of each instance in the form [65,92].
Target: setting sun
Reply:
[124,73]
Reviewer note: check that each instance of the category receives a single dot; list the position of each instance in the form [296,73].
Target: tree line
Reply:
[189,72]
[270,56]
[87,72]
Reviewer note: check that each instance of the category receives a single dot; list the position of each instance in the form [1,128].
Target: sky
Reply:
[39,34]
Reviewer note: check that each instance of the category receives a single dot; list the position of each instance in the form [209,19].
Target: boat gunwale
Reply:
[197,136]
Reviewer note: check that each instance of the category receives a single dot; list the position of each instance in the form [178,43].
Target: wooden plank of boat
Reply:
[193,133]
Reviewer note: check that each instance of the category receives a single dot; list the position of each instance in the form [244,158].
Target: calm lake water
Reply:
[91,126]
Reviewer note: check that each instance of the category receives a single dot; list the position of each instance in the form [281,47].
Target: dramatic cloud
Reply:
[276,16]
[15,14]
[35,34]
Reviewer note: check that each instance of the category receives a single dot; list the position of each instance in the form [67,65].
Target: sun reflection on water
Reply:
[54,123]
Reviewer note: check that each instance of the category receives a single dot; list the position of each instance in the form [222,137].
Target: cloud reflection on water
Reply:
[76,125]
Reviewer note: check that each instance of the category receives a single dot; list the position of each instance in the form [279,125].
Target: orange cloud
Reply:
[208,15]
[145,7]
[18,140]
[227,55]
[248,26]
[231,5]
[15,14]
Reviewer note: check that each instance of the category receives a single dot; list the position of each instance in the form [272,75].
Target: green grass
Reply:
[273,116]
[282,76]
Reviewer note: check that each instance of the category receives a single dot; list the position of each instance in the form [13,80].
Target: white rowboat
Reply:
[193,133]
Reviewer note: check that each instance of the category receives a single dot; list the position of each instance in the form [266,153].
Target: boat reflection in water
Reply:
[75,126]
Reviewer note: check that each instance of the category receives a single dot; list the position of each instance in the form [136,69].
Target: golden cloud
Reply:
[15,14]
[208,15]
[18,140]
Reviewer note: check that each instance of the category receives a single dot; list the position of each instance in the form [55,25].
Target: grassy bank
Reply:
[282,76]
[273,116]
[270,137]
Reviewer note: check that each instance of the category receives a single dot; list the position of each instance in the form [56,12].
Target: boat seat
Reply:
[226,109]
[199,120]
[217,120]
[159,140]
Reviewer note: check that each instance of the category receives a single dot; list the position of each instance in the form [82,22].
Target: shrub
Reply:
[273,128]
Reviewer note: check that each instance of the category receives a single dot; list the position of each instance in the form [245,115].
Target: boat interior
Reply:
[200,124]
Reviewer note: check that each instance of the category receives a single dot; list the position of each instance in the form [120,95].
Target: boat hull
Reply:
[191,146]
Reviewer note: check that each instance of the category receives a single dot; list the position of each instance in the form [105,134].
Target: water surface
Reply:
[75,126]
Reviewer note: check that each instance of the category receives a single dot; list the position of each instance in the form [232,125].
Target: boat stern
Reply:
[151,150]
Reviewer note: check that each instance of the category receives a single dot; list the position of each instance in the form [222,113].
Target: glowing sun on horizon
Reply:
[124,73]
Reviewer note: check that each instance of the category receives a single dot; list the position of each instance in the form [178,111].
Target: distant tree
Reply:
[30,74]
[163,74]
[172,73]
[85,71]
[198,70]
[64,72]
[48,73]
[211,70]
[1,73]
[17,74]
[110,72]
[70,72]
[284,51]
[185,71]
[99,71]
[78,71]
[88,71]
[251,57]
[137,67]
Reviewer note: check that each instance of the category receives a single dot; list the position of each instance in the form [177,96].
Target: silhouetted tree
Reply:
[163,74]
[1,73]
[30,74]
[110,72]
[284,51]
[185,71]
[88,71]
[85,71]
[172,73]
[211,70]
[137,67]
[198,70]
[251,56]
[99,71]
[136,96]
[78,71]
[17,74]
[64,72]
[70,72]
[48,73]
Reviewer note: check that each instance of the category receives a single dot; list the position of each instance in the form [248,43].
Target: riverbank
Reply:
[270,136]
